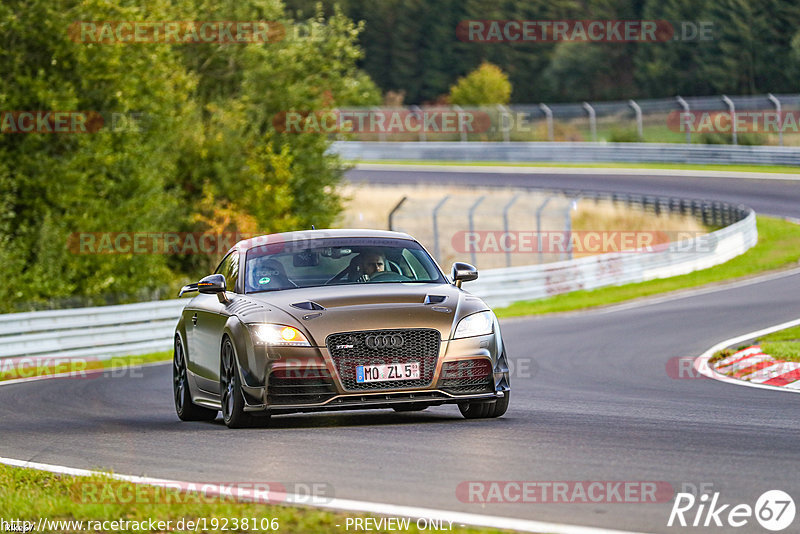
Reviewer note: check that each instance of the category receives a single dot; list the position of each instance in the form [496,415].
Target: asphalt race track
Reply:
[769,197]
[592,400]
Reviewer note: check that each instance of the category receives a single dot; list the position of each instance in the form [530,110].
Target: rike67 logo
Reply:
[774,510]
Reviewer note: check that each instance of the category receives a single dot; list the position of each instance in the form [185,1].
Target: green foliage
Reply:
[619,135]
[751,49]
[718,138]
[487,84]
[207,155]
[412,46]
[110,181]
[586,71]
[673,67]
[788,351]
[251,177]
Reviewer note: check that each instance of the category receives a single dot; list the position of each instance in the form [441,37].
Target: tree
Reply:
[239,160]
[775,24]
[728,61]
[208,155]
[57,185]
[587,71]
[674,67]
[485,85]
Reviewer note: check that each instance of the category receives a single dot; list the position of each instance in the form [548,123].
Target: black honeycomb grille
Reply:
[349,350]
[300,387]
[467,376]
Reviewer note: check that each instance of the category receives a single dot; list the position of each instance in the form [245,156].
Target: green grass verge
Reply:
[782,350]
[28,495]
[783,344]
[12,369]
[677,166]
[789,334]
[778,247]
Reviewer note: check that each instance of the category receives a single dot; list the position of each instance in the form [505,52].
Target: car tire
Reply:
[184,407]
[483,410]
[475,410]
[231,397]
[501,405]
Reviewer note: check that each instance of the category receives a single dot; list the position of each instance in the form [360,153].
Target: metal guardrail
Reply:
[707,212]
[99,332]
[652,106]
[698,118]
[566,152]
[106,331]
[500,287]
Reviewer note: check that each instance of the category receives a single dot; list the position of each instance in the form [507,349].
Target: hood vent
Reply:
[308,305]
[434,299]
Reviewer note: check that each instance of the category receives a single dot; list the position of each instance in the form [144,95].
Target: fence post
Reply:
[504,113]
[419,114]
[463,134]
[777,104]
[548,113]
[732,109]
[592,120]
[638,111]
[506,208]
[436,226]
[685,105]
[394,210]
[382,133]
[568,225]
[539,228]
[472,224]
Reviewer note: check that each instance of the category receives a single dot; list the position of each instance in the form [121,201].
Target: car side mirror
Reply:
[463,272]
[188,288]
[213,284]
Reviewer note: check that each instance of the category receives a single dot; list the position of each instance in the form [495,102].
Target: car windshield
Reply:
[337,261]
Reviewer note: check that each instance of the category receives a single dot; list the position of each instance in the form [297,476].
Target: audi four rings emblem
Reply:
[385,341]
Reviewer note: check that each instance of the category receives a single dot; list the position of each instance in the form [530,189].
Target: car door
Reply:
[207,320]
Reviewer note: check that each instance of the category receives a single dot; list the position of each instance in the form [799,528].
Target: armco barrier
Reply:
[500,287]
[100,332]
[106,331]
[566,152]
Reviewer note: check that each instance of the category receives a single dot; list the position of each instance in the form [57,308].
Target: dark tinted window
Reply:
[337,261]
[229,268]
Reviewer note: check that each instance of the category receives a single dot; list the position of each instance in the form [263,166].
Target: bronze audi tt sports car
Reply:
[333,320]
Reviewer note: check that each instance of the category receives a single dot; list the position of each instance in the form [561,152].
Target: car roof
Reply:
[247,244]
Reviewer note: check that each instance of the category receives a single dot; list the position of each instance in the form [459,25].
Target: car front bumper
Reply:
[368,401]
[309,370]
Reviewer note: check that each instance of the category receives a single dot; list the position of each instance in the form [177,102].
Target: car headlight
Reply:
[278,334]
[477,324]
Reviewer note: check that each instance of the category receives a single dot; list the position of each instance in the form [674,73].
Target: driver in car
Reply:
[371,262]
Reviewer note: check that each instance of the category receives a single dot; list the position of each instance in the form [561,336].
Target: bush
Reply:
[626,135]
[721,355]
[727,139]
[486,85]
[562,131]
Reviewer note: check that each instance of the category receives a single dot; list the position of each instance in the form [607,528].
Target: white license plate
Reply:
[385,373]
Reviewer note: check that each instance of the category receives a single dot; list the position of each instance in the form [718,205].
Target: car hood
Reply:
[347,308]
